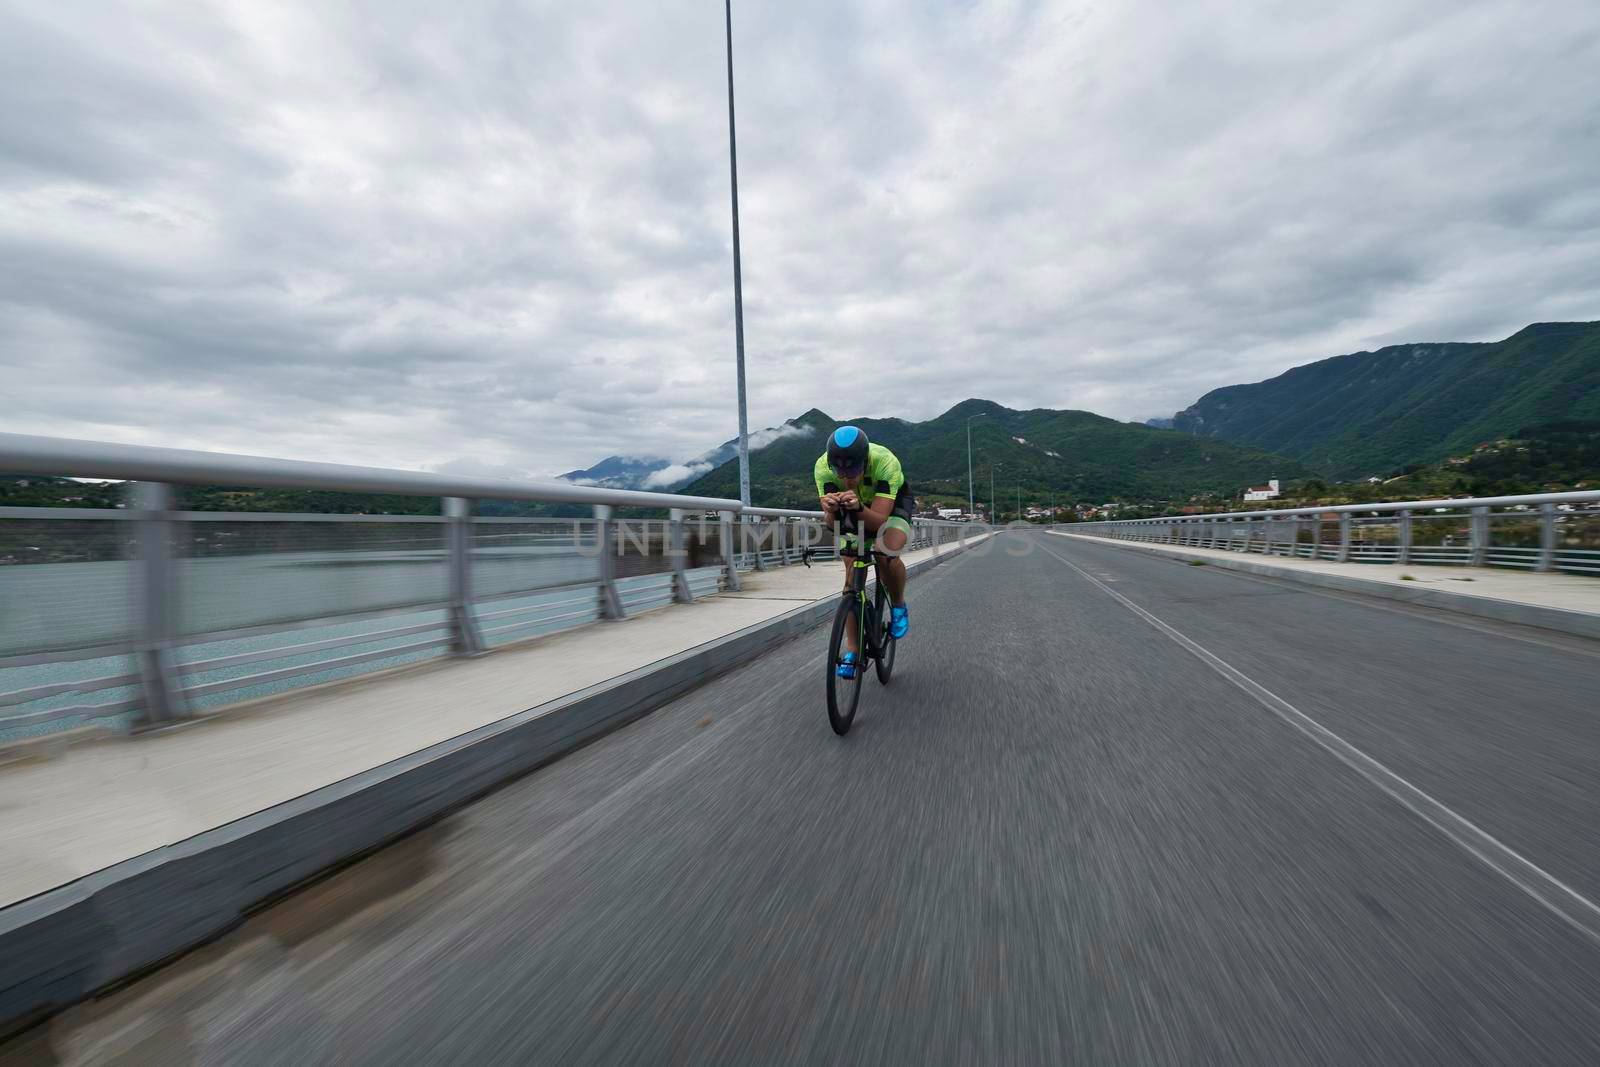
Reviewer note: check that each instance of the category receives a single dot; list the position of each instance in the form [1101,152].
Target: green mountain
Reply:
[1550,458]
[1068,455]
[1372,412]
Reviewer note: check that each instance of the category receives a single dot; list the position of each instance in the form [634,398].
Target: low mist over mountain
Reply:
[1073,455]
[663,475]
[1373,412]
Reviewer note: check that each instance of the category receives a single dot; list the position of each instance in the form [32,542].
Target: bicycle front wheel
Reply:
[843,693]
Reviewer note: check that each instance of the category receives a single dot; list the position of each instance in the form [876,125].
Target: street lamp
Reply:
[994,515]
[1019,501]
[971,508]
[738,283]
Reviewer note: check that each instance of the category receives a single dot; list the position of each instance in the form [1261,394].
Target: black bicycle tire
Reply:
[839,719]
[884,660]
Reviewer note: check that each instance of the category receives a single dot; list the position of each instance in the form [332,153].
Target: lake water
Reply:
[78,605]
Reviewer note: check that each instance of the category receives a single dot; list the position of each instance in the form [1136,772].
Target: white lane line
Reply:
[1565,902]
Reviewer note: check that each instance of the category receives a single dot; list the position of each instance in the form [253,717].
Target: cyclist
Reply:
[862,482]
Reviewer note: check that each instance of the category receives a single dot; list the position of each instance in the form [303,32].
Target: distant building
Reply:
[950,513]
[1262,492]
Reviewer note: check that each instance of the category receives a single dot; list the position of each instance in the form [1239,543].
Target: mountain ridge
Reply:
[1365,413]
[1068,454]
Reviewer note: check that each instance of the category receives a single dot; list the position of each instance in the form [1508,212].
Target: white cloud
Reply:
[387,235]
[676,474]
[763,438]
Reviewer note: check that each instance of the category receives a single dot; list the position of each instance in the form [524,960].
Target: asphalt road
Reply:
[1060,835]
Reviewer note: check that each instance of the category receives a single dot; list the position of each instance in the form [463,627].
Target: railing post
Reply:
[605,536]
[1344,537]
[745,529]
[465,640]
[730,558]
[155,593]
[1547,537]
[1478,538]
[675,551]
[1405,536]
[1316,536]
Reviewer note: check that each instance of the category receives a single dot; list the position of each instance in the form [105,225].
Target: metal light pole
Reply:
[1019,500]
[971,507]
[994,516]
[738,282]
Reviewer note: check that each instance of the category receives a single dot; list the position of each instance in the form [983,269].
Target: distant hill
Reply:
[619,472]
[1075,455]
[1373,412]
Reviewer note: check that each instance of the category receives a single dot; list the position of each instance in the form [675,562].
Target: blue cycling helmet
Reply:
[847,450]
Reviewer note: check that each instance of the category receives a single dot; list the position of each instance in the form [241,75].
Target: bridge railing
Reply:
[146,615]
[1538,532]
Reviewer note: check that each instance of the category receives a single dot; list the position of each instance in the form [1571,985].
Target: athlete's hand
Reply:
[848,500]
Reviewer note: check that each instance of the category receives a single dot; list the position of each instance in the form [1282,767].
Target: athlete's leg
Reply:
[893,535]
[892,571]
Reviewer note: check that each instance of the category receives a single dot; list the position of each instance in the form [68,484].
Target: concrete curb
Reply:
[66,944]
[1578,623]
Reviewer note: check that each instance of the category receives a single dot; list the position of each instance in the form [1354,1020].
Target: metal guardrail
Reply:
[1538,532]
[145,615]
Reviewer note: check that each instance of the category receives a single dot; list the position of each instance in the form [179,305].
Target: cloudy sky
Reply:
[495,235]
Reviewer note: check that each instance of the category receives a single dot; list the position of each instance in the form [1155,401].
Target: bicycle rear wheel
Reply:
[885,642]
[843,693]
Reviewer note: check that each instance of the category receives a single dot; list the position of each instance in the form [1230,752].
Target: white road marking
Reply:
[1559,898]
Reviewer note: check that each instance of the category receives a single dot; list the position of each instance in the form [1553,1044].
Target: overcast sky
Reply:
[496,235]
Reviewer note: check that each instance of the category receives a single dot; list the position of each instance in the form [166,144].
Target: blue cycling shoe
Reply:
[847,665]
[899,621]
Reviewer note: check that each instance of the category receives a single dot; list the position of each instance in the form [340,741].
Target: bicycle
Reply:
[874,642]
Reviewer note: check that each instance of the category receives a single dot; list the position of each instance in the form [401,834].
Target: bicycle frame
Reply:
[865,647]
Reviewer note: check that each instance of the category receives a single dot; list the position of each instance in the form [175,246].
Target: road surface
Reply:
[1112,809]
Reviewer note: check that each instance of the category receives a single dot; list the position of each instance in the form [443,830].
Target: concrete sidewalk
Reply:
[1569,603]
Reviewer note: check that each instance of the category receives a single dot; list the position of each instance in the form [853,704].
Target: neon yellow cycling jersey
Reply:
[883,475]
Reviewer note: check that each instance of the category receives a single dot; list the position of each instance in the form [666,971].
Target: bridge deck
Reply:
[1060,835]
[100,802]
